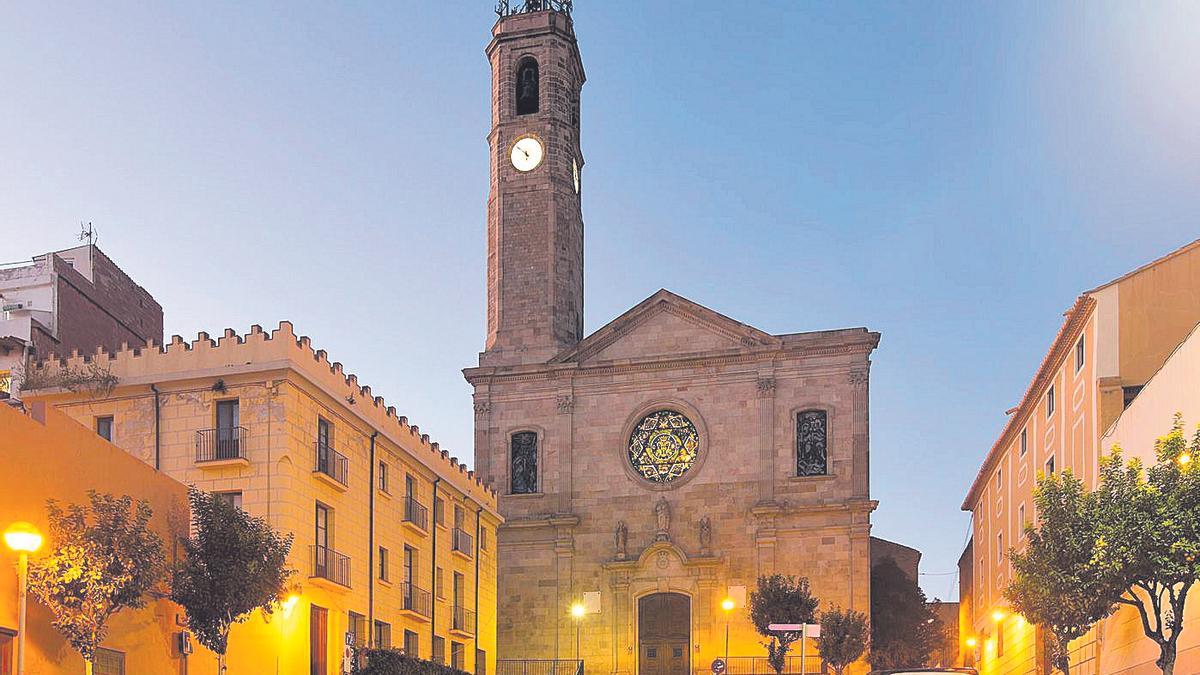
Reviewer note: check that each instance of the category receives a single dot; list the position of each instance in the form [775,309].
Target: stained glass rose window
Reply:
[663,446]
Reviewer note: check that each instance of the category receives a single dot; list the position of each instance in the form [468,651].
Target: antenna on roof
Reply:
[88,233]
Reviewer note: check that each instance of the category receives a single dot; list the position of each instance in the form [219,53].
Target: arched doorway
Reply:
[664,634]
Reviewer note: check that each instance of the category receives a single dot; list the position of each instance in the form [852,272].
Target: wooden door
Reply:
[318,640]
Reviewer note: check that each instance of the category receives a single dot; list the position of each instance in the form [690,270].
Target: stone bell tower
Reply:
[534,222]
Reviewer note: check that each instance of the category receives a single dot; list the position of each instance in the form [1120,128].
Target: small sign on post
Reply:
[718,666]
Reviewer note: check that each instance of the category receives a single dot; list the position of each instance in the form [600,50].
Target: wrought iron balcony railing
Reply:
[415,513]
[463,542]
[415,599]
[464,620]
[331,463]
[510,7]
[213,445]
[329,564]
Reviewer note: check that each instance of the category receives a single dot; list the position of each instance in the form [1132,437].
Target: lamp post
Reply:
[577,612]
[23,538]
[727,605]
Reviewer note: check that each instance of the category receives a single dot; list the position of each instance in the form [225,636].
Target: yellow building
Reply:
[394,539]
[47,455]
[1111,343]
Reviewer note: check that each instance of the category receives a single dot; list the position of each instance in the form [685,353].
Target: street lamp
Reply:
[727,605]
[23,538]
[577,612]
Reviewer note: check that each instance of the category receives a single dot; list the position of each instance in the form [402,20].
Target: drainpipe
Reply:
[371,553]
[157,434]
[478,527]
[433,568]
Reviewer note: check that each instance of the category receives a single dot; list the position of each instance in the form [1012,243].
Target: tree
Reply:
[233,564]
[1149,535]
[1058,585]
[904,630]
[843,637]
[105,559]
[781,599]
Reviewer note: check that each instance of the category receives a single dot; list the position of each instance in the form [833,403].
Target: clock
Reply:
[527,154]
[575,173]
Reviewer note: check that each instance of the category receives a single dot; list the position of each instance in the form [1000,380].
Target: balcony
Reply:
[331,466]
[416,602]
[416,516]
[225,446]
[464,622]
[463,544]
[330,566]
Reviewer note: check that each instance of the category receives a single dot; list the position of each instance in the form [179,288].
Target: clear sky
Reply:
[949,174]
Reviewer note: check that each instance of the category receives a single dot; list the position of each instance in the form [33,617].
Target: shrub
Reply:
[396,662]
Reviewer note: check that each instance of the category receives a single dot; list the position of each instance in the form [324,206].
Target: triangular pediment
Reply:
[666,325]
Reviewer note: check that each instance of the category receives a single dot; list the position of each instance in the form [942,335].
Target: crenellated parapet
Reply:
[258,351]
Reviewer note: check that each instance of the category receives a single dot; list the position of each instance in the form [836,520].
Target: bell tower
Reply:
[534,221]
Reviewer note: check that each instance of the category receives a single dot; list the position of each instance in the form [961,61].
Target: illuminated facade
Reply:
[394,539]
[1112,341]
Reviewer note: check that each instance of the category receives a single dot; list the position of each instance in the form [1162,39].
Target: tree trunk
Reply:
[87,667]
[1166,657]
[220,664]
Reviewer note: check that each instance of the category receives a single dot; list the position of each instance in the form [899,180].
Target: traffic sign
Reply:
[718,666]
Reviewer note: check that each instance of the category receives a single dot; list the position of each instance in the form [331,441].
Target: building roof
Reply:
[1153,263]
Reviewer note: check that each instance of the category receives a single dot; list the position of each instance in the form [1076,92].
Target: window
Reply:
[457,655]
[5,382]
[321,557]
[383,564]
[1050,401]
[6,651]
[383,635]
[483,539]
[527,86]
[459,516]
[439,584]
[383,478]
[480,662]
[318,639]
[1021,522]
[812,440]
[439,511]
[410,565]
[104,427]
[459,585]
[663,446]
[523,458]
[357,628]
[228,422]
[1080,350]
[1050,466]
[1024,441]
[109,662]
[439,649]
[410,486]
[999,478]
[1000,547]
[412,644]
[232,498]
[1130,393]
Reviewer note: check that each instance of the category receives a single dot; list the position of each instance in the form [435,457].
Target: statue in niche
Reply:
[622,539]
[705,535]
[662,514]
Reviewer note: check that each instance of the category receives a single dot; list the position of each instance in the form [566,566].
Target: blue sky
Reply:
[950,174]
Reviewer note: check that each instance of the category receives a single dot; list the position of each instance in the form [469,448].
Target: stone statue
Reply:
[705,535]
[662,514]
[622,539]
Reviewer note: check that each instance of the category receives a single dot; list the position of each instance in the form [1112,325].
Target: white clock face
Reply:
[527,154]
[575,171]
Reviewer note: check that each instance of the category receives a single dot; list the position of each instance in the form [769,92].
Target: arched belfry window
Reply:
[527,86]
[812,438]
[523,457]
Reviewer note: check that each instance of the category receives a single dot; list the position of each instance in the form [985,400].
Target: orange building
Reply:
[1112,341]
[48,455]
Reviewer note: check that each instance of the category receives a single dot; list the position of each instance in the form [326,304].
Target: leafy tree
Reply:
[233,564]
[781,599]
[105,559]
[843,637]
[1149,535]
[904,630]
[1058,585]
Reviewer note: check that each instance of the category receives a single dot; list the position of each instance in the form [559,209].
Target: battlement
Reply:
[256,351]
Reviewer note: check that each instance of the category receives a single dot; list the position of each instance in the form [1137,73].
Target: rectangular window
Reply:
[1050,401]
[410,564]
[439,586]
[383,635]
[439,511]
[412,644]
[383,564]
[1050,466]
[109,662]
[1021,522]
[1000,547]
[1024,441]
[522,463]
[357,628]
[457,655]
[322,519]
[318,640]
[6,651]
[232,498]
[410,486]
[483,538]
[439,649]
[1080,350]
[459,585]
[812,443]
[383,477]
[459,516]
[999,478]
[104,428]
[480,662]
[324,432]
[228,423]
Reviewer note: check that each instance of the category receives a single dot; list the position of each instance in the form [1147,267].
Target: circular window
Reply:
[663,446]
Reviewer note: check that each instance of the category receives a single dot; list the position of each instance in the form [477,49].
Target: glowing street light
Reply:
[727,604]
[23,538]
[971,642]
[577,612]
[998,615]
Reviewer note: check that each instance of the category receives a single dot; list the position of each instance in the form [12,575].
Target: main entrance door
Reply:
[664,634]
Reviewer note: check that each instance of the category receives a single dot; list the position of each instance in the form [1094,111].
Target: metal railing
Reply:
[223,443]
[415,599]
[464,620]
[539,667]
[415,513]
[329,564]
[331,462]
[758,665]
[510,7]
[463,542]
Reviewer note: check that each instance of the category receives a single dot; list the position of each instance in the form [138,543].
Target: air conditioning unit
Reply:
[185,642]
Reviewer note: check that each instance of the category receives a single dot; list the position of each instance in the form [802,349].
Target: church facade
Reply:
[657,467]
